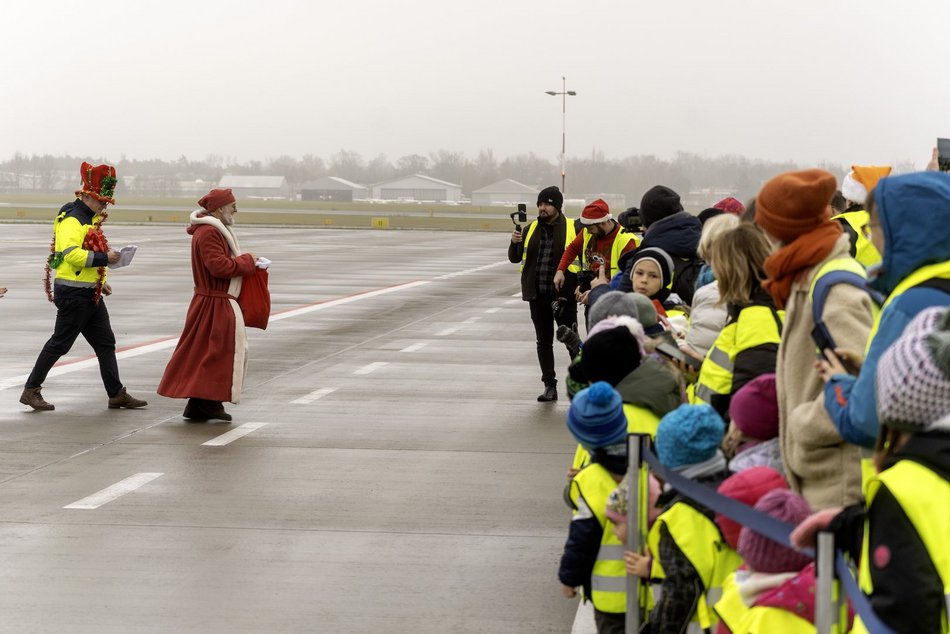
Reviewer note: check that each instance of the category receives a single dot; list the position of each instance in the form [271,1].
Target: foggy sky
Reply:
[807,81]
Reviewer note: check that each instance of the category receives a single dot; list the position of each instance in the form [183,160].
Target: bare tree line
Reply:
[586,176]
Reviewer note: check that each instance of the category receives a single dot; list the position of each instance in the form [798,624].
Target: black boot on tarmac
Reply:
[550,394]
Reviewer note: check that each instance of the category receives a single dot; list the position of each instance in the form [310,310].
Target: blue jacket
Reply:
[914,212]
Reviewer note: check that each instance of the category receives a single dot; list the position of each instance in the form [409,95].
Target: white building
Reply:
[418,188]
[333,188]
[505,192]
[256,186]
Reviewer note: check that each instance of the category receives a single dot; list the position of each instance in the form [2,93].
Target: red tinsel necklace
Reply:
[95,240]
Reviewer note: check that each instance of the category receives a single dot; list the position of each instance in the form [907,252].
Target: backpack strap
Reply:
[827,278]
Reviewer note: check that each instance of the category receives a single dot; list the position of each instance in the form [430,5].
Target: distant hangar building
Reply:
[333,188]
[505,192]
[418,188]
[261,187]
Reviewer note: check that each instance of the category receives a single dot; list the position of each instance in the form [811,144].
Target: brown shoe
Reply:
[31,396]
[122,399]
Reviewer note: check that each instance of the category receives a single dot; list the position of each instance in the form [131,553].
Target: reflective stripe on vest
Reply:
[921,275]
[621,240]
[609,576]
[865,251]
[569,236]
[703,545]
[755,326]
[924,497]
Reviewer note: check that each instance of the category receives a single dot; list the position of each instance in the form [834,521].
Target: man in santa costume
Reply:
[209,363]
[79,255]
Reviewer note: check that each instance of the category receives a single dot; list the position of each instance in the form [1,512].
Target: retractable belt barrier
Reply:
[766,525]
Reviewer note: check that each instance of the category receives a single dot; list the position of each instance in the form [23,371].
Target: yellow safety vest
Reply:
[730,608]
[569,236]
[924,497]
[621,240]
[865,251]
[701,542]
[609,576]
[931,271]
[73,261]
[755,326]
[764,620]
[640,420]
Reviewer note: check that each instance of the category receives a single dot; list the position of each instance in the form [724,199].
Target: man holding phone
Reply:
[539,249]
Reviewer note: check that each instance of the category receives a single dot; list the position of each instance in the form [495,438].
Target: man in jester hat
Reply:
[79,254]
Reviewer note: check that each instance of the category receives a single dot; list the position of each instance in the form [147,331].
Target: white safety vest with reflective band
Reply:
[569,236]
[755,326]
[701,542]
[865,251]
[621,240]
[924,497]
[609,576]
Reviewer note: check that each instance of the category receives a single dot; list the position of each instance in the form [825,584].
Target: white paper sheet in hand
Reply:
[125,256]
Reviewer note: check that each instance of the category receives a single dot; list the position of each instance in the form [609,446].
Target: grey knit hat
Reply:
[612,303]
[913,375]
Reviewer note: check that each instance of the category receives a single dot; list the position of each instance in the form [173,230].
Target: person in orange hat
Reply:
[855,187]
[794,210]
[209,362]
[79,255]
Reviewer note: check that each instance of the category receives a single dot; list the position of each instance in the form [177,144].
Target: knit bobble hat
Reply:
[730,205]
[647,312]
[596,212]
[596,417]
[861,180]
[754,408]
[658,255]
[612,350]
[747,486]
[913,375]
[794,203]
[690,434]
[612,303]
[760,553]
[551,195]
[658,203]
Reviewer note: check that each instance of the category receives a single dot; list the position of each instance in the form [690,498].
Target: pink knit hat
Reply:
[761,553]
[754,408]
[748,487]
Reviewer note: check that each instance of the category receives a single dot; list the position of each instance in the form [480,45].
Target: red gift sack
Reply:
[254,300]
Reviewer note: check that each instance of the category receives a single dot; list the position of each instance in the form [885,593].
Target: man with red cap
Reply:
[79,255]
[600,244]
[209,362]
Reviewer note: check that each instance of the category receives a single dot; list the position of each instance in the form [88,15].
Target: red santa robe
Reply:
[211,357]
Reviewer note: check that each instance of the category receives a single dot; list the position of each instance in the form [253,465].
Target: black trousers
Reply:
[74,317]
[542,315]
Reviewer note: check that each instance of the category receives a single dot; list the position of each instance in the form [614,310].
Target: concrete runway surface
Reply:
[388,468]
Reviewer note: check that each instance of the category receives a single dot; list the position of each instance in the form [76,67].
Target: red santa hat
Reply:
[595,213]
[216,199]
[98,181]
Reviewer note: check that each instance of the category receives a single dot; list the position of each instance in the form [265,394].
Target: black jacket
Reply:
[529,286]
[908,594]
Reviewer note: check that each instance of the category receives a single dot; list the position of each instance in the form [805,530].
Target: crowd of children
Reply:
[813,404]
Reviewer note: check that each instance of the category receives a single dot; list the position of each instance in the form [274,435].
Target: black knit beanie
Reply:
[551,195]
[659,202]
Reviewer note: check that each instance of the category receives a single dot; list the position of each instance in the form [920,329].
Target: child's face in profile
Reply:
[646,278]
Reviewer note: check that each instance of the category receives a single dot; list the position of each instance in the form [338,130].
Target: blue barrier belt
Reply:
[774,529]
[859,600]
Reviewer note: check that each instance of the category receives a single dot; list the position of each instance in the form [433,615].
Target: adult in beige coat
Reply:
[794,210]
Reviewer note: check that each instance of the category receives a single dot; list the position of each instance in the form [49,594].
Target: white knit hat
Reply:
[852,189]
[913,375]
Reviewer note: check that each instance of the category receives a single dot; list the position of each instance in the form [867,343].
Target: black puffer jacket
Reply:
[678,235]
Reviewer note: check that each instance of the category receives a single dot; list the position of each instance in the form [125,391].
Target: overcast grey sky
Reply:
[808,80]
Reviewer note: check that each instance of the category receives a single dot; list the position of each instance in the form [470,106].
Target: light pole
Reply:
[564,93]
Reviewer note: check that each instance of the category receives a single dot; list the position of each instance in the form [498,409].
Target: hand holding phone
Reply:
[943,155]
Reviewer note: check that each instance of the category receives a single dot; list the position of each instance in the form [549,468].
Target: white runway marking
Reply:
[492,311]
[512,301]
[113,492]
[518,294]
[448,331]
[372,367]
[413,347]
[233,435]
[313,396]
[468,271]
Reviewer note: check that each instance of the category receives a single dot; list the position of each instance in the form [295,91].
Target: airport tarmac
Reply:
[388,468]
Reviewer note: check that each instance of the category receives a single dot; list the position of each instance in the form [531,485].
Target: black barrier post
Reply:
[824,591]
[636,487]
